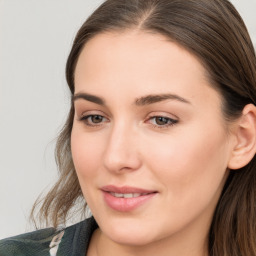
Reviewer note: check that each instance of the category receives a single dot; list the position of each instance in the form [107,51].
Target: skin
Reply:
[184,160]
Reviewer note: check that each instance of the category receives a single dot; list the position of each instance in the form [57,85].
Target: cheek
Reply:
[190,163]
[86,154]
[192,172]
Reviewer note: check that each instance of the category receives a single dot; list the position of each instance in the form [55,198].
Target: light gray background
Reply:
[35,38]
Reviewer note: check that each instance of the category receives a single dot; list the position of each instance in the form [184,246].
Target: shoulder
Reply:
[33,243]
[76,238]
[73,240]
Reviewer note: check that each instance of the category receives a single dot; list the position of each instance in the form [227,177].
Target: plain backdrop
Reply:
[35,39]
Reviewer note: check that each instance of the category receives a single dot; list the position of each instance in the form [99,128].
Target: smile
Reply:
[126,199]
[130,195]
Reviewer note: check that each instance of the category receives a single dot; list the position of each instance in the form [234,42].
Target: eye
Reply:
[93,120]
[162,121]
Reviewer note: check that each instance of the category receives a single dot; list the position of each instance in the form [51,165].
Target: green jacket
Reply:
[71,241]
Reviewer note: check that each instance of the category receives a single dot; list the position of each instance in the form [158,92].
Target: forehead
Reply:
[140,63]
[137,49]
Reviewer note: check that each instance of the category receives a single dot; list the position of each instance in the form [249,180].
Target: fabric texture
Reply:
[71,241]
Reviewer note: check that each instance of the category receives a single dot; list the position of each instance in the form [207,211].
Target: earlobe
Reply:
[245,147]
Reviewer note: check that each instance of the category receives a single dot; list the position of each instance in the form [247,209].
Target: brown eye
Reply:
[93,120]
[159,120]
[96,119]
[162,121]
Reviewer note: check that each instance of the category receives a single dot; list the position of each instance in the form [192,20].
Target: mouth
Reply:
[128,195]
[126,199]
[125,190]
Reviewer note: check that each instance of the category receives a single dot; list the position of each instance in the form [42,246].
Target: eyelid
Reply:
[162,114]
[91,112]
[173,120]
[84,116]
[85,119]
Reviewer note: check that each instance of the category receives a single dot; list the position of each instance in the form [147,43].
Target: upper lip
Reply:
[126,190]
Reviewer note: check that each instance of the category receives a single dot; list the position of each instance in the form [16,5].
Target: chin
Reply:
[130,233]
[136,239]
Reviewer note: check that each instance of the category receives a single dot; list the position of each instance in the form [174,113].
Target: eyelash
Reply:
[170,121]
[86,118]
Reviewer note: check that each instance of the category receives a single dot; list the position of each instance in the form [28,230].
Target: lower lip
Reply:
[122,204]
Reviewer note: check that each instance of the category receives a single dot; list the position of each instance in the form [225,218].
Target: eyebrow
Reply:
[142,101]
[88,97]
[151,99]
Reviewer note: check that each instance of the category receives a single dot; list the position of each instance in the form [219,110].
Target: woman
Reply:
[161,135]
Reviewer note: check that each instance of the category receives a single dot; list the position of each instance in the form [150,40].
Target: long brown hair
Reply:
[213,31]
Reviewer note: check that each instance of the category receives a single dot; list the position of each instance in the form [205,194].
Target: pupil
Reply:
[96,119]
[161,120]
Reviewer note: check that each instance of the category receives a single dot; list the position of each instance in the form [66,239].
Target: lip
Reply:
[123,204]
[125,189]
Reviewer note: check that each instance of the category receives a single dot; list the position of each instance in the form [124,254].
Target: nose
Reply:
[122,150]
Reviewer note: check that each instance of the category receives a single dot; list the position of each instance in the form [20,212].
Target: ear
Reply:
[245,133]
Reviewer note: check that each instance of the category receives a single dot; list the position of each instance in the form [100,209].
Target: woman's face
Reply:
[149,141]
